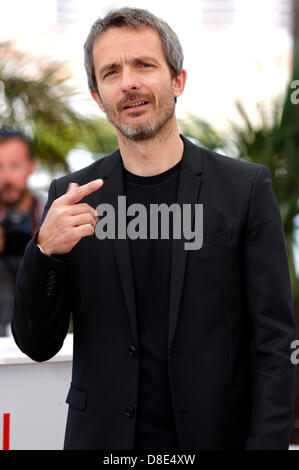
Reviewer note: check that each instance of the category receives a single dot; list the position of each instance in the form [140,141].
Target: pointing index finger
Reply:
[79,192]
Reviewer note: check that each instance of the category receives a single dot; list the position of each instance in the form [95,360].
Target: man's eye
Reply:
[108,74]
[146,65]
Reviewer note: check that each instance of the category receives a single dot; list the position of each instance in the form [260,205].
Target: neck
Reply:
[155,155]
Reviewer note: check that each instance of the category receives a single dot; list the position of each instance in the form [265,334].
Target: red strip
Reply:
[6,424]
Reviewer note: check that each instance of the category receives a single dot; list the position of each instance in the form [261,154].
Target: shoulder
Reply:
[223,167]
[228,181]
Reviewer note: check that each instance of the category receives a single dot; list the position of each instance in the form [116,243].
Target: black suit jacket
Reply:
[231,320]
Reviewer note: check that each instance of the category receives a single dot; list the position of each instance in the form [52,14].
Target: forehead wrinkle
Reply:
[128,40]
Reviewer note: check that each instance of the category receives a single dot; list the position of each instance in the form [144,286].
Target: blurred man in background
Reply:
[20,212]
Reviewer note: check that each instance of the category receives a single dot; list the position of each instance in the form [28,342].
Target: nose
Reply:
[6,181]
[5,176]
[129,80]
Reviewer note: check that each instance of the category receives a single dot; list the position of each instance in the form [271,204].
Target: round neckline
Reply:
[153,179]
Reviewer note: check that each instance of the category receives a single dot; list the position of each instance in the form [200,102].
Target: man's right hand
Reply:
[67,222]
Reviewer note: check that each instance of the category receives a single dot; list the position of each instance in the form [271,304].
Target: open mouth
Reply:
[136,105]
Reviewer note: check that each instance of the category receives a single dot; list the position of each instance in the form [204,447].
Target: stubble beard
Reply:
[150,128]
[11,203]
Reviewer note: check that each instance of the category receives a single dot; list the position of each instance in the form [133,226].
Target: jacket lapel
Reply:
[113,174]
[188,193]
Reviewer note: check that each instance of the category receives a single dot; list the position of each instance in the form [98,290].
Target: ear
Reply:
[178,83]
[97,99]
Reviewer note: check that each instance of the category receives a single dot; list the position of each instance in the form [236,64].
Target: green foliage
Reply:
[203,132]
[35,97]
[99,136]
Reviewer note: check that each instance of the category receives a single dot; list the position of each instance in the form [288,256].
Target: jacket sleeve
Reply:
[42,308]
[271,317]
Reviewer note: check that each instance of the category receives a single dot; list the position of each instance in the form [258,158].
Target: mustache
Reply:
[132,97]
[6,186]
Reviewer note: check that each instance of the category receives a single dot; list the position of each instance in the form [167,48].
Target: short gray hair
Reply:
[134,18]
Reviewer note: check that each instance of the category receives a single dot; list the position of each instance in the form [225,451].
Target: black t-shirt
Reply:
[151,261]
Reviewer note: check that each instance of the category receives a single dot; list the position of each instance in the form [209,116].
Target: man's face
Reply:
[136,89]
[15,167]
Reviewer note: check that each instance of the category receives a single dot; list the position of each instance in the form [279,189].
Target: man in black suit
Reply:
[174,348]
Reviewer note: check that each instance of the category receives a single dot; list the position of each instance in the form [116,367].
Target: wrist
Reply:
[42,248]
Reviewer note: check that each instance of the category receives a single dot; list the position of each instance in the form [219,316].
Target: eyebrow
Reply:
[107,67]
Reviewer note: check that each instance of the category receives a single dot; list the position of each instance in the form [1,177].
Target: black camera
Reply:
[17,229]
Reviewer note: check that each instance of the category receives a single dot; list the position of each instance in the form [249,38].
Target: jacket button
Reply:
[132,351]
[51,275]
[130,412]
